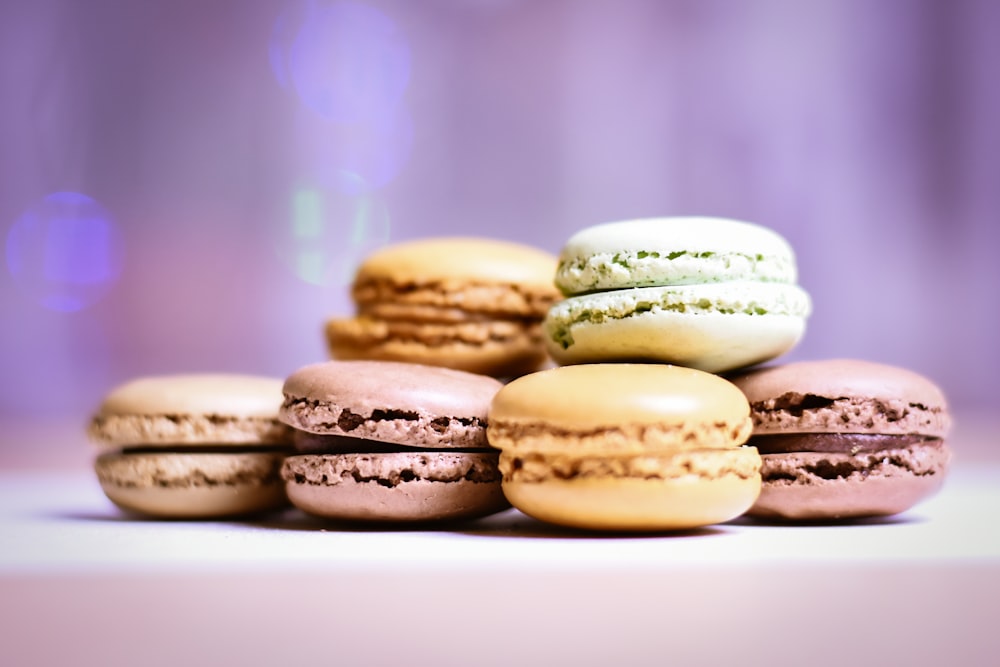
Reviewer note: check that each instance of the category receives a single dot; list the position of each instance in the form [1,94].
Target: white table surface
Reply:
[83,584]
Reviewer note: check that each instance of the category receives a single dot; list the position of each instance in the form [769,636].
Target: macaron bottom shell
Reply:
[667,493]
[849,486]
[419,486]
[192,485]
[650,505]
[714,342]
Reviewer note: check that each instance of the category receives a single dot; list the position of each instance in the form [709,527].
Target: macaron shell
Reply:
[714,328]
[166,431]
[418,486]
[192,486]
[580,399]
[885,484]
[712,342]
[672,251]
[365,386]
[840,377]
[197,394]
[844,395]
[460,258]
[622,504]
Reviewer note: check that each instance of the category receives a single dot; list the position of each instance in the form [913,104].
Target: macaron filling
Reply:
[839,443]
[326,458]
[321,443]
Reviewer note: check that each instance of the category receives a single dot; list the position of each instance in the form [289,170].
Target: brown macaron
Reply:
[470,304]
[844,438]
[391,442]
[192,446]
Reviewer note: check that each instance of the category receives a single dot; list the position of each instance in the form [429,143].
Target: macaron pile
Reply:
[686,298]
[657,417]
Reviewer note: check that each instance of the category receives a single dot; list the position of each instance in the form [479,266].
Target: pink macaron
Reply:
[844,438]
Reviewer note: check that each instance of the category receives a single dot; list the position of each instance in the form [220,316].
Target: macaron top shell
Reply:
[237,411]
[197,394]
[672,251]
[595,396]
[460,259]
[844,395]
[366,386]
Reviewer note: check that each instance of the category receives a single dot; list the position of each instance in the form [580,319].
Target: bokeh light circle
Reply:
[65,251]
[347,61]
[327,234]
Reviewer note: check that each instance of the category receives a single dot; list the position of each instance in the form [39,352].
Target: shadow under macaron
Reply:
[515,524]
[506,524]
[301,521]
[894,520]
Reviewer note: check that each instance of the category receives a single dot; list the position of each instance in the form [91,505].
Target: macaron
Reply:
[629,447]
[707,293]
[192,446]
[471,304]
[845,438]
[387,441]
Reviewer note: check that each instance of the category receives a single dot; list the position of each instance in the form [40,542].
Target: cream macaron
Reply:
[643,447]
[192,446]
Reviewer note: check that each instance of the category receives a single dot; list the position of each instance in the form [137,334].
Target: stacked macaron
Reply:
[657,445]
[192,446]
[839,439]
[470,304]
[390,441]
[706,293]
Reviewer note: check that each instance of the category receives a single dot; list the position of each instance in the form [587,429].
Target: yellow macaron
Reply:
[643,447]
[471,304]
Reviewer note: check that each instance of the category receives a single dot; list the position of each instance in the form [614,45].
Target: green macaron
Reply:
[707,293]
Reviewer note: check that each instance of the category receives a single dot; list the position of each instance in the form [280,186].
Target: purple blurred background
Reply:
[187,186]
